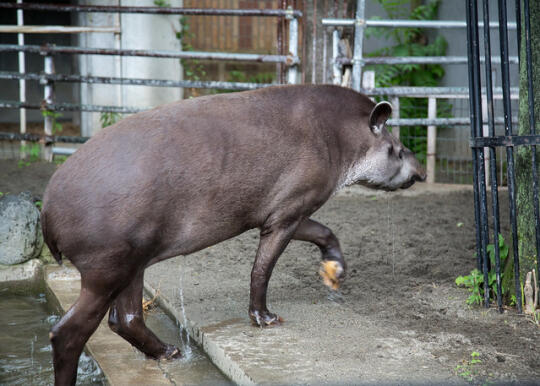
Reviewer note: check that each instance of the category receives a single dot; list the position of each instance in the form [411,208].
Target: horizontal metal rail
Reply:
[510,140]
[71,107]
[331,22]
[465,121]
[133,81]
[45,139]
[129,110]
[153,10]
[49,50]
[425,92]
[420,60]
[54,29]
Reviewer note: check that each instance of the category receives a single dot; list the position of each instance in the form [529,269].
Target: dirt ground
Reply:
[404,254]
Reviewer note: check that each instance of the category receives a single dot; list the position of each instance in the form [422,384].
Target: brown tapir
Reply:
[187,175]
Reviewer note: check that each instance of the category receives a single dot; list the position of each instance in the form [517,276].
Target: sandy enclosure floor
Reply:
[404,254]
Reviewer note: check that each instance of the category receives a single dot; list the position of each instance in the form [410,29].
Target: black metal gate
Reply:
[479,141]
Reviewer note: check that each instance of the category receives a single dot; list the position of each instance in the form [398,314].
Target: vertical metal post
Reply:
[473,113]
[492,154]
[431,141]
[336,67]
[292,73]
[395,115]
[532,127]
[22,82]
[46,151]
[505,72]
[481,178]
[358,44]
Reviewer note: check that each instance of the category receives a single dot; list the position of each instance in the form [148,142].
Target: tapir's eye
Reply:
[401,154]
[390,150]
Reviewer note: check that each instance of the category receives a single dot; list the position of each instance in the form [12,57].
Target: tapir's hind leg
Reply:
[70,334]
[126,319]
[333,265]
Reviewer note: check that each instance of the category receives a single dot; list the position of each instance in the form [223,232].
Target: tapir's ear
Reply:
[379,115]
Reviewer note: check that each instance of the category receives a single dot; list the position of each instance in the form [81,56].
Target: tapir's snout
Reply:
[420,176]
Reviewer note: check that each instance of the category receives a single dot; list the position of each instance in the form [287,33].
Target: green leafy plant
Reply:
[56,126]
[39,204]
[33,154]
[60,159]
[475,281]
[468,369]
[241,76]
[108,119]
[411,42]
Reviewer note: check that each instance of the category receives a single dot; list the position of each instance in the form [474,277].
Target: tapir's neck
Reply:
[355,166]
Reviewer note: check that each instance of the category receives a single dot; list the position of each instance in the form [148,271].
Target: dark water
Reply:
[25,351]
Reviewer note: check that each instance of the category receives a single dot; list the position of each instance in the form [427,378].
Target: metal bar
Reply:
[63,150]
[49,49]
[48,98]
[472,113]
[436,121]
[358,45]
[420,92]
[532,126]
[422,60]
[477,124]
[431,141]
[153,10]
[492,155]
[518,24]
[503,39]
[395,116]
[336,67]
[72,107]
[54,29]
[134,81]
[396,23]
[505,141]
[22,82]
[41,138]
[292,72]
[426,92]
[129,110]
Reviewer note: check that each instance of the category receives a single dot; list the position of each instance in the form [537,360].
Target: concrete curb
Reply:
[28,271]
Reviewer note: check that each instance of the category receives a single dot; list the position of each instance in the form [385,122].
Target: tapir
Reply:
[187,175]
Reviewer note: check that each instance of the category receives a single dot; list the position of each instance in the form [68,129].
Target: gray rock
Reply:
[20,229]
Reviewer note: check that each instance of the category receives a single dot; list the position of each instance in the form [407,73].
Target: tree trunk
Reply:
[524,197]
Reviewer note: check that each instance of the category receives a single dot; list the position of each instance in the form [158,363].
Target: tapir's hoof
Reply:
[265,319]
[331,272]
[172,352]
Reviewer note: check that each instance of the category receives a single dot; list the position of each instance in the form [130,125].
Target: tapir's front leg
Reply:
[273,241]
[333,265]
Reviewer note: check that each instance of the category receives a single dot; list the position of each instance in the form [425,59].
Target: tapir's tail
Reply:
[47,237]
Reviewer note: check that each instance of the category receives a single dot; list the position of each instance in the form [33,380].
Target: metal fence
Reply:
[482,141]
[49,78]
[449,167]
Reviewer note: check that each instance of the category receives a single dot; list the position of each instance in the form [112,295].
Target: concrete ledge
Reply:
[28,271]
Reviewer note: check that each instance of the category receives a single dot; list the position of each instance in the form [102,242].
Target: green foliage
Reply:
[33,153]
[108,119]
[60,159]
[475,281]
[411,42]
[468,369]
[39,204]
[241,76]
[56,126]
[162,3]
